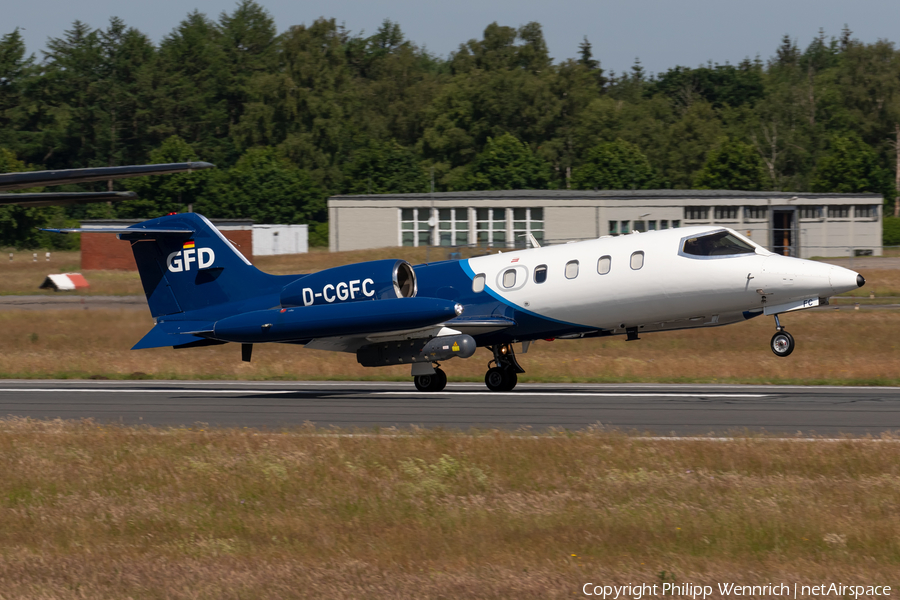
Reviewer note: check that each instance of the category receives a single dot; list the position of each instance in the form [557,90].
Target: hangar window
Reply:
[696,213]
[525,221]
[414,227]
[478,283]
[865,211]
[509,278]
[637,260]
[726,213]
[756,213]
[721,243]
[490,226]
[453,226]
[810,212]
[838,212]
[604,264]
[572,269]
[540,274]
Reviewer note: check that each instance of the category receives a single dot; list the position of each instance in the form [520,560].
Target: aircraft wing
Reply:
[18,181]
[62,198]
[467,325]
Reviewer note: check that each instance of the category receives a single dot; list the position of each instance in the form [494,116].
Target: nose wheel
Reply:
[782,343]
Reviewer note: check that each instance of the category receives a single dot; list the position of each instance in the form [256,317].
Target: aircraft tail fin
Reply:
[186,264]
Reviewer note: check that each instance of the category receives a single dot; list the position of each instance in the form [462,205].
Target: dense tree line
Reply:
[293,117]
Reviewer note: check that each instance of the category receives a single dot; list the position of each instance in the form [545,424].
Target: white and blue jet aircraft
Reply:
[202,291]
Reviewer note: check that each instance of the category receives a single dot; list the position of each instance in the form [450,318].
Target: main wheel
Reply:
[511,379]
[782,343]
[495,379]
[431,383]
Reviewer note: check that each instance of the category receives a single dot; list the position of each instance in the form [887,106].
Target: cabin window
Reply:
[637,260]
[540,274]
[572,269]
[604,264]
[509,278]
[721,243]
[478,283]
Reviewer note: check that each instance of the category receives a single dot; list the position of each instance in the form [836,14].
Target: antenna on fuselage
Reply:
[531,238]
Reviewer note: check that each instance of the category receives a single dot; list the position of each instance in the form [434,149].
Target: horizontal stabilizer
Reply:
[18,181]
[63,198]
[173,333]
[134,229]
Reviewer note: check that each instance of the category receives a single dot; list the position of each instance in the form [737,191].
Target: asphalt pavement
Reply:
[657,409]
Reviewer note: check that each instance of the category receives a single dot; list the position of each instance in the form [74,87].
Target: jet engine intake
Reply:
[373,280]
[416,351]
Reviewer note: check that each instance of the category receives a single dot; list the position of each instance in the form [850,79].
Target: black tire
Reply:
[495,379]
[440,380]
[782,344]
[511,380]
[431,383]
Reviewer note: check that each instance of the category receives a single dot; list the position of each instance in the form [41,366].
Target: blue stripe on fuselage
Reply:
[452,280]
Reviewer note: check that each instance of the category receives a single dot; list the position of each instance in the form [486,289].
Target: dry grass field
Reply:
[90,511]
[843,346]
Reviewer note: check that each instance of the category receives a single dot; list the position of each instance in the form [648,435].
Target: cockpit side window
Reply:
[720,243]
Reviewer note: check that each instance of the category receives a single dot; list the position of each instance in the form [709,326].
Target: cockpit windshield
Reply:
[721,243]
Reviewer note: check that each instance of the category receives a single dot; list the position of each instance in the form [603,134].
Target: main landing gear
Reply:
[782,342]
[503,376]
[431,383]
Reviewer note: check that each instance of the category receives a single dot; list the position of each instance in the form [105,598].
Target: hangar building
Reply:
[794,224]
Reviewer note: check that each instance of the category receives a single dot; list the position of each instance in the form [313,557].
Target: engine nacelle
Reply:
[416,351]
[373,280]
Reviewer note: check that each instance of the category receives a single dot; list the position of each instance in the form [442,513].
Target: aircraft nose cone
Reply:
[845,280]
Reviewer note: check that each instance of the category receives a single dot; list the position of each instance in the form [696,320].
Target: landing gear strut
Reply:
[782,342]
[431,383]
[503,376]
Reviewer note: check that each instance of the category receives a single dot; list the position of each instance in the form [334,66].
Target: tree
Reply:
[614,165]
[851,166]
[266,187]
[732,165]
[163,194]
[384,168]
[15,70]
[507,164]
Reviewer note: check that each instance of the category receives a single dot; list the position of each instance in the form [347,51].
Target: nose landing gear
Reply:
[782,343]
[504,375]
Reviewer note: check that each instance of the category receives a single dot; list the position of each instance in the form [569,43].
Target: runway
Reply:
[656,409]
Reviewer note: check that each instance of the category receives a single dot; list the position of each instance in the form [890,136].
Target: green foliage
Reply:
[385,168]
[266,187]
[850,166]
[507,164]
[732,165]
[891,232]
[163,194]
[616,165]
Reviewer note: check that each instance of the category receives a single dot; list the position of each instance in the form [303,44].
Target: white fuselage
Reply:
[666,288]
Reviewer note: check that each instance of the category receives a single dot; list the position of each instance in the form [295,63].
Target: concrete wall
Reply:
[361,227]
[360,222]
[269,240]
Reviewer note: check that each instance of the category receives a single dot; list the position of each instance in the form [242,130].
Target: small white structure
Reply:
[280,239]
[64,282]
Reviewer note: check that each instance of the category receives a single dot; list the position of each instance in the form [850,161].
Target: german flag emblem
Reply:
[188,245]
